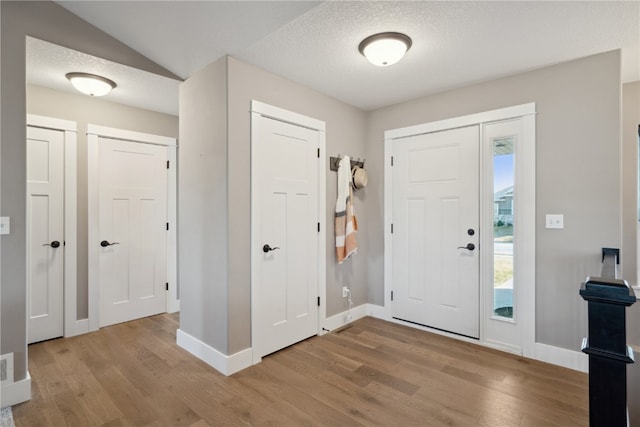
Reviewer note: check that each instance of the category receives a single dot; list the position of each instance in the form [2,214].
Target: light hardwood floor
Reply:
[371,373]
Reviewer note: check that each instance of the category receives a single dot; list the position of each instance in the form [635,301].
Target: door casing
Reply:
[269,111]
[524,250]
[94,132]
[72,326]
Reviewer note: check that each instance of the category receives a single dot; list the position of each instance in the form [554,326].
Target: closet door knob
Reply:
[267,248]
[54,244]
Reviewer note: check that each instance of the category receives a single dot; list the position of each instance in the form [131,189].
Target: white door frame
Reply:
[94,132]
[71,325]
[524,248]
[269,111]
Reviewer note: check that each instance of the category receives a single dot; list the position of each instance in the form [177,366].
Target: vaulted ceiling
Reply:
[316,43]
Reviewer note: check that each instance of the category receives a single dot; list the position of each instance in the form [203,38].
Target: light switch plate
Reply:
[554,221]
[5,225]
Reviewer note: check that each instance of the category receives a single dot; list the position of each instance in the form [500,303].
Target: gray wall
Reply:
[578,174]
[202,206]
[345,134]
[85,110]
[630,122]
[46,21]
[215,175]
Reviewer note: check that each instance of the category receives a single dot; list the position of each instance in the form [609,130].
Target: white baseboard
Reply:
[15,392]
[227,365]
[81,327]
[571,359]
[346,317]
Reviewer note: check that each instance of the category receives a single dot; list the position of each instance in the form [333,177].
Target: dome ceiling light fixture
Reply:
[384,49]
[91,84]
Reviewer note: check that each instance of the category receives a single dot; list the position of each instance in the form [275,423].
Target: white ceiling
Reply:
[316,43]
[47,65]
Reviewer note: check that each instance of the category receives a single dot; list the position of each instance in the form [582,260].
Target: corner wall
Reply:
[203,197]
[578,156]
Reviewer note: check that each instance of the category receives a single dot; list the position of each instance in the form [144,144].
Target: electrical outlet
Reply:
[345,291]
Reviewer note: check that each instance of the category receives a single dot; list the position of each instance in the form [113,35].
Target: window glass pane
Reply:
[503,191]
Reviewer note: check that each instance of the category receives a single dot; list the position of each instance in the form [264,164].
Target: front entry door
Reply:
[132,272]
[435,263]
[45,233]
[285,279]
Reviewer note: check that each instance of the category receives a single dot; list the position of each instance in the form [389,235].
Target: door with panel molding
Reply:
[45,233]
[435,266]
[132,209]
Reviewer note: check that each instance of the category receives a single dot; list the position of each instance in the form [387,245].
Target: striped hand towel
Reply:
[346,223]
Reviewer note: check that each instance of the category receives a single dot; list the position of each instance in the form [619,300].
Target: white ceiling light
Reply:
[385,49]
[90,84]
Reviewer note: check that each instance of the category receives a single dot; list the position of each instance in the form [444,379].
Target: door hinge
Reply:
[318,153]
[167,287]
[318,227]
[167,226]
[392,161]
[391,228]
[318,301]
[391,295]
[167,164]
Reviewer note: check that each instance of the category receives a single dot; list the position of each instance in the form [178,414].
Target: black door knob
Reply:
[471,232]
[267,248]
[54,244]
[469,247]
[106,243]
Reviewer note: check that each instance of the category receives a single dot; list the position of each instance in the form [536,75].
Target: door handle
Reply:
[54,244]
[469,247]
[267,248]
[105,243]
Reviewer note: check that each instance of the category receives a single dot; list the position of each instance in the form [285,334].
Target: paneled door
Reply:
[285,281]
[45,233]
[435,263]
[132,209]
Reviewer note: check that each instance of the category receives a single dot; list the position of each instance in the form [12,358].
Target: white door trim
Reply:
[93,133]
[526,218]
[269,111]
[71,325]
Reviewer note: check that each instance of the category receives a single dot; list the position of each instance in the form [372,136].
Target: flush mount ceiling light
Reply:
[385,49]
[90,84]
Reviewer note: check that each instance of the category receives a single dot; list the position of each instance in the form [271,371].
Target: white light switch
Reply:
[5,225]
[555,221]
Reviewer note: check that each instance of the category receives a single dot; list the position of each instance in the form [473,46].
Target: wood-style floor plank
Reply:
[370,373]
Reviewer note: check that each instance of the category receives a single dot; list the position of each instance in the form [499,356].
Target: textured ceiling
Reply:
[454,43]
[47,65]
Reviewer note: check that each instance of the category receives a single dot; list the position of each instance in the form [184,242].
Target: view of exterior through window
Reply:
[503,215]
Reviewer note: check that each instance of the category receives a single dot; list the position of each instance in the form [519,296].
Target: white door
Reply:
[285,285]
[45,233]
[132,210]
[435,265]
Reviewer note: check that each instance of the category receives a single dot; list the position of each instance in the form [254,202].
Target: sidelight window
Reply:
[503,218]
